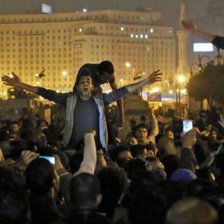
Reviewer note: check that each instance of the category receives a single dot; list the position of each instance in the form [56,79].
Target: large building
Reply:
[60,43]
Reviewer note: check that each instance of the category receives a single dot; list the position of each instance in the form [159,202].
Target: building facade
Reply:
[61,43]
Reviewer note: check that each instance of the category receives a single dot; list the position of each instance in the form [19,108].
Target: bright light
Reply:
[181,79]
[36,75]
[170,91]
[46,8]
[122,28]
[151,30]
[38,83]
[184,91]
[132,35]
[155,90]
[127,64]
[64,73]
[141,36]
[143,73]
[203,47]
[136,35]
[80,30]
[11,76]
[84,10]
[146,36]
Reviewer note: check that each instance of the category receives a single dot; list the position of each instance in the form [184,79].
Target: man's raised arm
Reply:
[16,82]
[191,27]
[123,91]
[152,78]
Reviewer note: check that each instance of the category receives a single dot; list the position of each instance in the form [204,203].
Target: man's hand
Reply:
[11,81]
[155,77]
[189,25]
[91,131]
[221,121]
[28,156]
[189,139]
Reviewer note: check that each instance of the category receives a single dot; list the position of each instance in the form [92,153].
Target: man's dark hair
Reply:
[112,184]
[106,66]
[13,198]
[39,176]
[116,151]
[84,190]
[147,205]
[17,146]
[81,73]
[14,122]
[170,163]
[137,150]
[142,125]
[134,166]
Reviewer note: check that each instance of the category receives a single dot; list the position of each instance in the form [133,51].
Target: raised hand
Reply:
[155,77]
[14,80]
[221,120]
[188,25]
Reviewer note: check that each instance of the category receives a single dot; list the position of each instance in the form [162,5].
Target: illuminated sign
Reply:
[203,47]
[46,8]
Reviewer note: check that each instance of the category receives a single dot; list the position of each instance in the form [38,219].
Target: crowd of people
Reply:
[71,175]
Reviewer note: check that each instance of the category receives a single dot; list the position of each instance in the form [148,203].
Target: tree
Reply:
[208,84]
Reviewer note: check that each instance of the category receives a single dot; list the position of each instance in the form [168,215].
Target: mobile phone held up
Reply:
[187,126]
[51,159]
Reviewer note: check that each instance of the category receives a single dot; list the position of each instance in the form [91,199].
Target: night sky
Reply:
[196,9]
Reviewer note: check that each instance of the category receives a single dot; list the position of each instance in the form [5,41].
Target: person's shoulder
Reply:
[90,66]
[72,94]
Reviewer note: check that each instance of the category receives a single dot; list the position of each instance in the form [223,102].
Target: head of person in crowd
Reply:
[147,205]
[141,133]
[42,124]
[84,192]
[208,127]
[166,146]
[41,178]
[14,200]
[106,71]
[139,151]
[14,127]
[201,152]
[121,155]
[84,82]
[156,168]
[214,134]
[133,166]
[169,133]
[16,148]
[191,210]
[112,185]
[170,163]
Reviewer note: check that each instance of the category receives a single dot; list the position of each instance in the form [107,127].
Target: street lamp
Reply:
[200,57]
[181,79]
